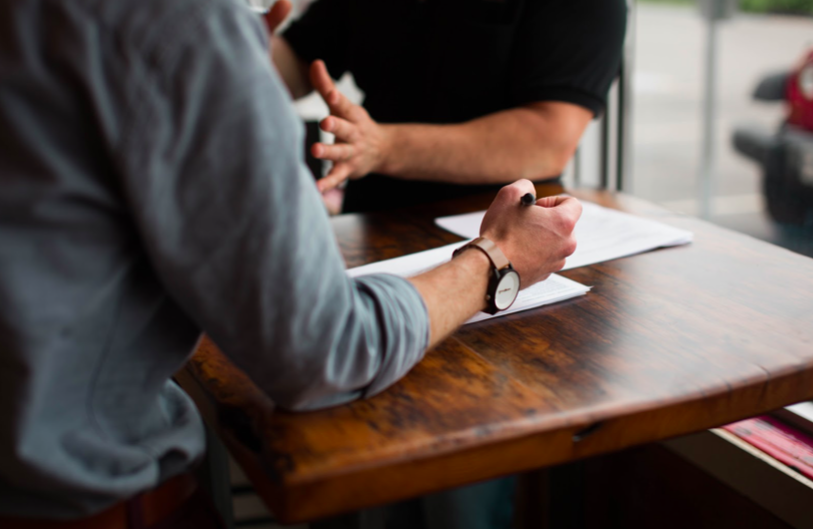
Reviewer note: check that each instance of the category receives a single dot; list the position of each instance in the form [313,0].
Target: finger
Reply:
[565,216]
[549,202]
[277,14]
[336,101]
[336,176]
[338,152]
[341,128]
[552,201]
[523,186]
[569,247]
[570,207]
[321,80]
[341,106]
[512,193]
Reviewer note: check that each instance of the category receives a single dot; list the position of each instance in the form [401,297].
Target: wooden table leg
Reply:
[532,500]
[213,476]
[366,519]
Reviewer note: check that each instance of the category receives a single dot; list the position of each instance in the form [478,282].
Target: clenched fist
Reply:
[536,239]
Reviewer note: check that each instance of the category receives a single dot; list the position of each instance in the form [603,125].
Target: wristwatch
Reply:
[503,285]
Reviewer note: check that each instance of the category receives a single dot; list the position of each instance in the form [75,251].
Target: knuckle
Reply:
[569,224]
[523,183]
[570,246]
[348,131]
[576,213]
[511,192]
[574,209]
[558,224]
[564,224]
[504,191]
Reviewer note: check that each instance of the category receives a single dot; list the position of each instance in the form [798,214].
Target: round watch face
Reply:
[507,290]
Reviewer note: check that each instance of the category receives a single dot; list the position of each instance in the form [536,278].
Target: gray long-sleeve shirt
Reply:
[152,187]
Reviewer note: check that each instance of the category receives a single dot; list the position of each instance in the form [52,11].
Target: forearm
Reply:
[454,292]
[292,69]
[269,285]
[498,148]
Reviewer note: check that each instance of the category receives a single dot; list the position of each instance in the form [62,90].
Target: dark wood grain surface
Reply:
[668,342]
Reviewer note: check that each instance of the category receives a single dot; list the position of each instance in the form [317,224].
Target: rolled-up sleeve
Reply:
[213,173]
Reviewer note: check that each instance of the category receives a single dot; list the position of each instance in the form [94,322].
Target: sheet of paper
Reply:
[555,288]
[408,265]
[552,290]
[602,234]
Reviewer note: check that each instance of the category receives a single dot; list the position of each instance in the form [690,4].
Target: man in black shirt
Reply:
[461,95]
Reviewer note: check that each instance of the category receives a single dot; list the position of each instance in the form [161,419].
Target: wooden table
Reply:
[668,342]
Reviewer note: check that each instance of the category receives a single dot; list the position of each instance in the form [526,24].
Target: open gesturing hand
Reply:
[361,143]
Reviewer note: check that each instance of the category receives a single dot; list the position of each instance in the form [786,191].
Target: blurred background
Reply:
[669,52]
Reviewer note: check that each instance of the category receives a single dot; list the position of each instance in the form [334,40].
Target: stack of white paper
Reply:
[602,234]
[555,288]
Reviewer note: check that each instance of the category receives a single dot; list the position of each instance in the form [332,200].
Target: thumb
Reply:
[277,14]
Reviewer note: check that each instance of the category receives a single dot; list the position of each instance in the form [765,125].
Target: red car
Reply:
[786,156]
[799,93]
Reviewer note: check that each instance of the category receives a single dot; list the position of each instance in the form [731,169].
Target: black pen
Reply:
[528,199]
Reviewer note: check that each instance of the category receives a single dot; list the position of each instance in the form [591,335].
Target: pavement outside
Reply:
[670,50]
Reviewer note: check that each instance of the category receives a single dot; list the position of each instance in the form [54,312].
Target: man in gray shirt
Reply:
[152,188]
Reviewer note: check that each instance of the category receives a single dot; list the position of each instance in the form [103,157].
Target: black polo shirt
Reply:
[449,61]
